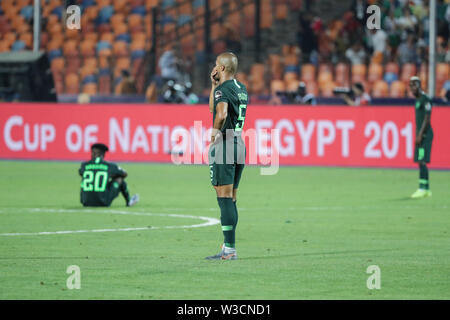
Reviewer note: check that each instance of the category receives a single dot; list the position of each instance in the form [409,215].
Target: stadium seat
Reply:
[292,85]
[257,87]
[91,62]
[266,15]
[257,70]
[242,77]
[107,37]
[397,89]
[120,49]
[73,65]
[327,89]
[57,65]
[277,85]
[442,71]
[312,87]
[90,88]
[104,84]
[393,68]
[70,48]
[281,11]
[87,48]
[4,46]
[408,70]
[290,76]
[71,82]
[342,77]
[375,72]
[359,72]
[324,78]
[380,89]
[308,72]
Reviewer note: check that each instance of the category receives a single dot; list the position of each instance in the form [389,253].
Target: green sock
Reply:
[227,220]
[237,216]
[424,183]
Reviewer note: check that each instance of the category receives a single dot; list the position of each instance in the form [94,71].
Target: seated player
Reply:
[102,181]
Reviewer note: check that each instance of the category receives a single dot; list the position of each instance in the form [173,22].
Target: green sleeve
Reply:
[116,171]
[221,95]
[427,104]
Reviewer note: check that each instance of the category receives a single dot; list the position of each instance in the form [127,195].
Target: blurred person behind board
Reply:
[128,85]
[303,97]
[357,97]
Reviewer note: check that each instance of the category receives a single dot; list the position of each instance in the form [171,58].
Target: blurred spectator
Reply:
[303,97]
[83,98]
[377,40]
[307,39]
[446,92]
[169,65]
[232,39]
[357,96]
[407,51]
[443,53]
[406,21]
[359,9]
[356,54]
[128,84]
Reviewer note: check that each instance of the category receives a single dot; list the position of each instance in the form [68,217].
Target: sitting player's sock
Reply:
[227,220]
[424,183]
[124,191]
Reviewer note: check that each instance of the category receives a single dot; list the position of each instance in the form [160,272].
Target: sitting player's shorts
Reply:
[422,153]
[223,171]
[102,199]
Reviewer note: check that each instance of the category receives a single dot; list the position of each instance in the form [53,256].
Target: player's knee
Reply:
[119,180]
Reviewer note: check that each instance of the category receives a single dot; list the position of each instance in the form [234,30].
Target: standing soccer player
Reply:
[228,102]
[424,137]
[102,181]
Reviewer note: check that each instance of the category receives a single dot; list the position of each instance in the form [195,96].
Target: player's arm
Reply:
[221,116]
[348,100]
[425,123]
[214,84]
[118,172]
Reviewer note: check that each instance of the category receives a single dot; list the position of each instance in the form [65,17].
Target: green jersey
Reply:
[235,94]
[95,184]
[423,107]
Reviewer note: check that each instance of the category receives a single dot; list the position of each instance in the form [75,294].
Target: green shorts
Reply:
[227,172]
[101,199]
[422,153]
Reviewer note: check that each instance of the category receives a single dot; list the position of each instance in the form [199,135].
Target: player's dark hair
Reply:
[100,146]
[359,86]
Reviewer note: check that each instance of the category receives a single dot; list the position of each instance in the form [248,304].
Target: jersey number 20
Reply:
[241,119]
[94,181]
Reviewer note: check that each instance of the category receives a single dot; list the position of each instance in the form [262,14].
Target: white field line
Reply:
[208,221]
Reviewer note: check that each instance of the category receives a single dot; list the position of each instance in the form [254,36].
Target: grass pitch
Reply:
[305,233]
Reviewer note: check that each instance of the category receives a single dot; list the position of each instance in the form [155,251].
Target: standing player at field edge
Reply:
[424,137]
[102,181]
[228,102]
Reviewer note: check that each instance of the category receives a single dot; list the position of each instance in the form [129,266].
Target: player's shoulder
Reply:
[424,97]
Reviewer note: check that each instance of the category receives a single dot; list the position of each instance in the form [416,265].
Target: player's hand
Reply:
[419,139]
[214,82]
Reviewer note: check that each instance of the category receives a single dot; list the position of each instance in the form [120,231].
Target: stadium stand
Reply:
[118,34]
